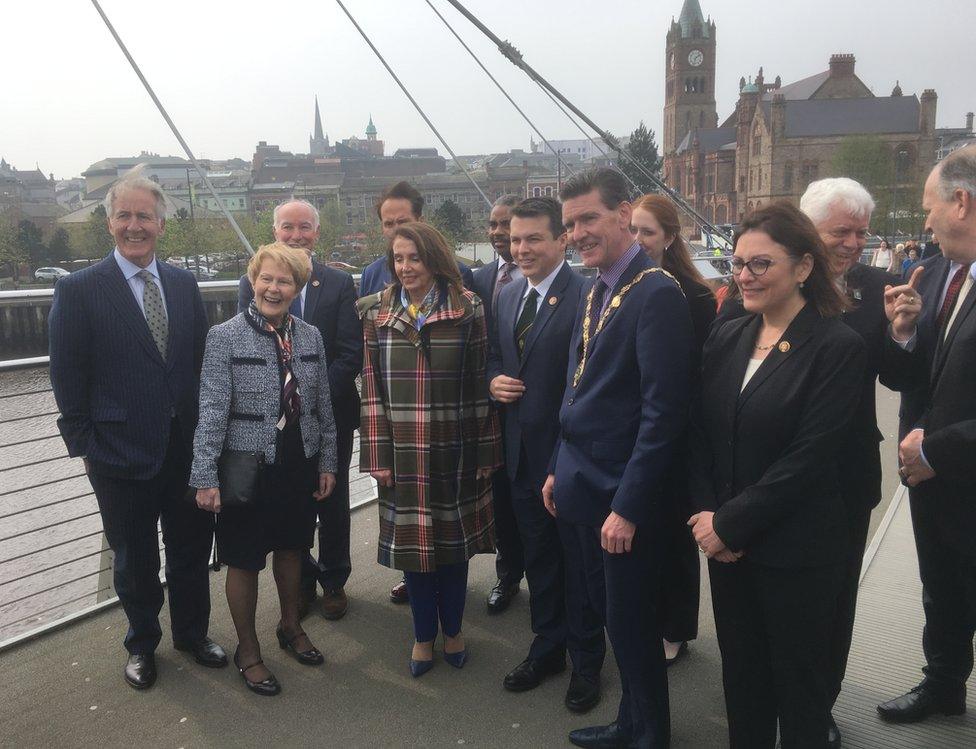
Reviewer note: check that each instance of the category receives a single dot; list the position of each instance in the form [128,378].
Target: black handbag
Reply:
[237,473]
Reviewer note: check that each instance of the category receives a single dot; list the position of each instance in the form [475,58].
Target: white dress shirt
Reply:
[131,272]
[542,289]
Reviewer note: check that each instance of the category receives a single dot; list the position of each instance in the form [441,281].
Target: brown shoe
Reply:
[334,604]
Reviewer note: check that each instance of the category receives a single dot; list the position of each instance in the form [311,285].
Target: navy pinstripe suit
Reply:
[131,413]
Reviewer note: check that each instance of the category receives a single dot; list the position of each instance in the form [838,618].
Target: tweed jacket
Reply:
[426,417]
[240,397]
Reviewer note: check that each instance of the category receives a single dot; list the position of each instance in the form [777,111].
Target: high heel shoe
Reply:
[419,668]
[266,688]
[310,657]
[457,659]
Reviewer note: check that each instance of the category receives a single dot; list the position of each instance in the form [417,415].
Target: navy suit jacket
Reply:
[619,426]
[531,424]
[376,277]
[116,394]
[330,305]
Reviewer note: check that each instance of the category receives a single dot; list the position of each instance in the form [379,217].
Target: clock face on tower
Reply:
[695,57]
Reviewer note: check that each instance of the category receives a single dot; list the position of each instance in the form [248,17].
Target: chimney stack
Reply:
[841,66]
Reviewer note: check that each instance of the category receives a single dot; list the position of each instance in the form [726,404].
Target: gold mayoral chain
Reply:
[614,303]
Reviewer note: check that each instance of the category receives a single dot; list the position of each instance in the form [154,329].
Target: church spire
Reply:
[690,18]
[318,135]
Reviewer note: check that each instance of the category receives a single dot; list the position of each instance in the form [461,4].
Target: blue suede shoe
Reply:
[457,659]
[419,668]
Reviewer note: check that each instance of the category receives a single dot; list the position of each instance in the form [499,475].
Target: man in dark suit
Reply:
[127,337]
[939,332]
[398,205]
[527,363]
[625,406]
[328,301]
[489,280]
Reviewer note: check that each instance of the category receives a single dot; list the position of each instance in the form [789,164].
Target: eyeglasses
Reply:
[757,266]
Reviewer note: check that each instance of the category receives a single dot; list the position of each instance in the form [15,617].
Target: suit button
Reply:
[570,401]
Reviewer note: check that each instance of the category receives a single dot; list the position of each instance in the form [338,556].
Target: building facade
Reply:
[779,138]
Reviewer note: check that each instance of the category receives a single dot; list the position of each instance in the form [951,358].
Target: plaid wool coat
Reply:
[426,416]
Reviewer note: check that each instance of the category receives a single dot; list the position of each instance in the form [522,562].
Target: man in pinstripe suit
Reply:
[127,337]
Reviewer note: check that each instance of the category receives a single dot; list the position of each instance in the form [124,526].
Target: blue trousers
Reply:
[437,595]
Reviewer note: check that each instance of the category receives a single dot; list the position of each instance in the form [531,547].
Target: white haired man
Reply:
[939,427]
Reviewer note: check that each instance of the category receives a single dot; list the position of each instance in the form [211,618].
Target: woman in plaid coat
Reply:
[428,435]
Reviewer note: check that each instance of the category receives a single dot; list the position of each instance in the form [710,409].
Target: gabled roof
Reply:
[709,140]
[802,89]
[821,117]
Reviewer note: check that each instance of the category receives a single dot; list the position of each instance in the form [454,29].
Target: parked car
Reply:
[50,274]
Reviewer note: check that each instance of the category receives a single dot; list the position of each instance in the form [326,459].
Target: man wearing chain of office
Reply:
[626,402]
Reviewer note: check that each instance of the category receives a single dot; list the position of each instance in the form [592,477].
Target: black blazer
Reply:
[947,396]
[702,305]
[860,460]
[116,394]
[766,459]
[330,305]
[531,424]
[911,376]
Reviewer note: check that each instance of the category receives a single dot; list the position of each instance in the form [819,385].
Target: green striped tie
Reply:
[524,324]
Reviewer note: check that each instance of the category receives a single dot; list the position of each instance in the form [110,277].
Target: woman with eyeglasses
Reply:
[778,388]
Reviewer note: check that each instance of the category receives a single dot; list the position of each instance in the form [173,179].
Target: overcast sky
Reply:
[234,73]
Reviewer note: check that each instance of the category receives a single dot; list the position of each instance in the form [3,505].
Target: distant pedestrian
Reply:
[882,256]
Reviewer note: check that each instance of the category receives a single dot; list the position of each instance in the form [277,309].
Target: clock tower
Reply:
[689,64]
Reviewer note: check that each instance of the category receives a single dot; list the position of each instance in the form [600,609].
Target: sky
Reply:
[233,73]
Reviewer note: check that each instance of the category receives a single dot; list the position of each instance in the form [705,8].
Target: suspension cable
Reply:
[414,102]
[515,57]
[499,85]
[176,132]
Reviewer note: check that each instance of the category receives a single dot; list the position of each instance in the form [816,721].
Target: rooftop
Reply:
[875,115]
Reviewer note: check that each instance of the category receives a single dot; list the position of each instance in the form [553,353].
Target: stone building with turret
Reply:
[780,137]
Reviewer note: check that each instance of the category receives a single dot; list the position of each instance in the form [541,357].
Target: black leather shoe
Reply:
[267,688]
[921,702]
[500,596]
[600,737]
[530,673]
[399,593]
[583,694]
[310,657]
[833,733]
[206,652]
[140,671]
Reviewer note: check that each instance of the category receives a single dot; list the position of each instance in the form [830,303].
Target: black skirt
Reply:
[283,518]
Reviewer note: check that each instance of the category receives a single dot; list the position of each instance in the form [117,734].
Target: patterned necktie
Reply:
[503,279]
[524,324]
[596,309]
[152,305]
[952,294]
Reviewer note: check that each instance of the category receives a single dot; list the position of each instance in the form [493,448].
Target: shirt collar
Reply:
[612,276]
[543,287]
[130,269]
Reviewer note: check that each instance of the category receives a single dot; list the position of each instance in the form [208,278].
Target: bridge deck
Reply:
[66,688]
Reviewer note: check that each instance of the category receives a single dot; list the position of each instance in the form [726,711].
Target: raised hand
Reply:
[903,304]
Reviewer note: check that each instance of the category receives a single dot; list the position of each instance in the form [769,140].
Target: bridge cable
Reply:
[500,87]
[414,102]
[172,126]
[515,57]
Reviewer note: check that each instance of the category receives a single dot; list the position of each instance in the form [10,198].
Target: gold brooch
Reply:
[784,346]
[552,301]
[315,282]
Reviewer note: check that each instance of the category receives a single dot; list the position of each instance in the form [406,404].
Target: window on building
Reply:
[809,172]
[548,192]
[742,183]
[710,181]
[536,192]
[788,176]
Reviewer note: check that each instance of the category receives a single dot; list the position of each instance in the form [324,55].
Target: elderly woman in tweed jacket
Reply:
[265,388]
[427,434]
